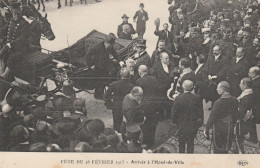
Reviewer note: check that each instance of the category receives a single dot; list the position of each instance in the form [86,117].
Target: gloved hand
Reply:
[8,45]
[206,134]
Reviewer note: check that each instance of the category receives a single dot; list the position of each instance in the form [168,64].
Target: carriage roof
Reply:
[76,52]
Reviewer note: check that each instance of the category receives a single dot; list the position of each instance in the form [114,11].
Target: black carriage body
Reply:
[40,66]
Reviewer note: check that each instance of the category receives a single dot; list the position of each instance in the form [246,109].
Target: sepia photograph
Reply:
[129,76]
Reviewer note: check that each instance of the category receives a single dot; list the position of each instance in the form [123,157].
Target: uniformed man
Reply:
[142,57]
[125,21]
[223,116]
[227,44]
[17,41]
[193,43]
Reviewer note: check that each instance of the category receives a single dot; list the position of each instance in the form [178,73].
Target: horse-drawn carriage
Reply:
[44,73]
[69,64]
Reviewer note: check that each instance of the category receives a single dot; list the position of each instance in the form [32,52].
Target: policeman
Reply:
[17,40]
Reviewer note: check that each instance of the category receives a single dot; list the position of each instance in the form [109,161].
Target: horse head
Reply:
[46,29]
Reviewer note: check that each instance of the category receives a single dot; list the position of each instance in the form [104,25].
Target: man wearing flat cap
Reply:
[125,21]
[141,16]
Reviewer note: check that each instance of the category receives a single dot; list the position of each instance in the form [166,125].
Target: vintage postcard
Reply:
[129,83]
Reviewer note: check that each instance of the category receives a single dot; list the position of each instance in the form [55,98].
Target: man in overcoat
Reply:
[237,70]
[140,17]
[115,94]
[125,21]
[254,74]
[215,71]
[149,84]
[188,115]
[164,72]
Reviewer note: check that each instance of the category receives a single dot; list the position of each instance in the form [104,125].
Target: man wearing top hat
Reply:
[125,21]
[140,18]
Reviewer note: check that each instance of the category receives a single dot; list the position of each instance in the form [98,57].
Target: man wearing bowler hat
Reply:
[141,16]
[125,21]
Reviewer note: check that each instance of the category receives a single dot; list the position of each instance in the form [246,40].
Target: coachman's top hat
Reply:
[16,7]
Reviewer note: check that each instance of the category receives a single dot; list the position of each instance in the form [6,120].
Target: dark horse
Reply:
[40,28]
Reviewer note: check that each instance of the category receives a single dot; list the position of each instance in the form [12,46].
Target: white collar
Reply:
[24,143]
[78,112]
[255,78]
[185,71]
[199,66]
[32,129]
[245,93]
[216,57]
[206,41]
[132,98]
[142,52]
[238,59]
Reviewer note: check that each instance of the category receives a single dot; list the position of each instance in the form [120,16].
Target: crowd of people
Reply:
[215,59]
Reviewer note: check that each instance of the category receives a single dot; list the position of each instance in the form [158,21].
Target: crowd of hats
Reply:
[62,125]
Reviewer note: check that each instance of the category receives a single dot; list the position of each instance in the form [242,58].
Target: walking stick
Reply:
[237,132]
